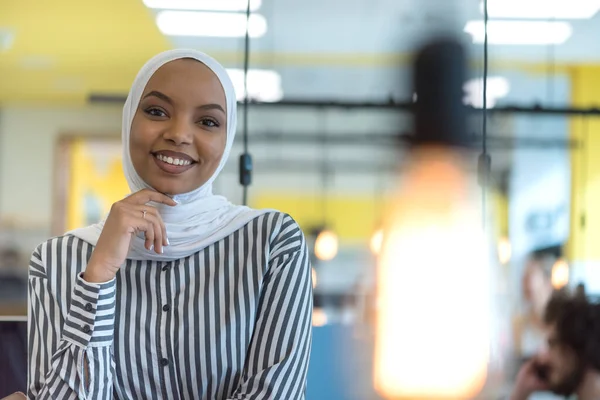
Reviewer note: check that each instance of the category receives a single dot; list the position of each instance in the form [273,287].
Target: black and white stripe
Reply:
[232,321]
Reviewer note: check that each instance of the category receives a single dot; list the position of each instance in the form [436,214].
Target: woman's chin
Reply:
[169,190]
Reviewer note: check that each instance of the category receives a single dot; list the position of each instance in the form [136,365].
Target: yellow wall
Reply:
[354,218]
[499,203]
[585,168]
[106,185]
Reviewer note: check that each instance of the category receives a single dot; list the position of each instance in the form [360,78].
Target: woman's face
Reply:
[179,130]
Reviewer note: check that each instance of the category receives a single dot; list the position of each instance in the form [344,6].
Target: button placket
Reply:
[163,299]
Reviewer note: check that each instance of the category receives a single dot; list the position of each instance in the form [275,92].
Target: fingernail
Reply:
[168,243]
[151,247]
[161,250]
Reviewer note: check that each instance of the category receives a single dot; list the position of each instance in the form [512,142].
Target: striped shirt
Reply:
[232,321]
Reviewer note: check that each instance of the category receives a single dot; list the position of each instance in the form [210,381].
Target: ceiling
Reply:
[64,50]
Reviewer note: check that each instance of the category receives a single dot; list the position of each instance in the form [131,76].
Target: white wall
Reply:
[28,137]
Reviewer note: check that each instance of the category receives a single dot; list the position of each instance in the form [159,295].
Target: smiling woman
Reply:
[177,293]
[183,105]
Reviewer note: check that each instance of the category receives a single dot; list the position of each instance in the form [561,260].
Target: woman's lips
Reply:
[167,164]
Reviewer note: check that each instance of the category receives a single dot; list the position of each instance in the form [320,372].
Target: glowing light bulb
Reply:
[434,322]
[319,317]
[376,241]
[326,245]
[560,274]
[504,251]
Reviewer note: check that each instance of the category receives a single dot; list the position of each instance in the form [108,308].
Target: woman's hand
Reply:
[126,218]
[528,381]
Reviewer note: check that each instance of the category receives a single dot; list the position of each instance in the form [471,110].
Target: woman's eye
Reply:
[209,122]
[155,112]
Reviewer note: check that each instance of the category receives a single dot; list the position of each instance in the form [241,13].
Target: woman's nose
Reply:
[179,132]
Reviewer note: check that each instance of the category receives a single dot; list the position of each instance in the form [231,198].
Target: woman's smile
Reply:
[173,162]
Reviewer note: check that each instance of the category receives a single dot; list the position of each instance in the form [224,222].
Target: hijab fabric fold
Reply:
[200,218]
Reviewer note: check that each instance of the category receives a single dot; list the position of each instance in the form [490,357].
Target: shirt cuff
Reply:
[91,318]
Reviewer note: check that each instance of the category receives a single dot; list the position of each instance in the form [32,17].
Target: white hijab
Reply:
[200,218]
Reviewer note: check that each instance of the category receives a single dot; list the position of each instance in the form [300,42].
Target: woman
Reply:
[177,294]
[537,291]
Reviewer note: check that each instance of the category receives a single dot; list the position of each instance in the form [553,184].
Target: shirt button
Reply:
[165,268]
[86,329]
[166,307]
[164,362]
[88,307]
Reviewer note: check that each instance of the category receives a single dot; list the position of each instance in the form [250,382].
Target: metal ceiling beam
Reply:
[406,106]
[387,140]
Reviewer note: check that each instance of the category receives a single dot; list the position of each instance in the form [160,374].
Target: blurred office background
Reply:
[323,138]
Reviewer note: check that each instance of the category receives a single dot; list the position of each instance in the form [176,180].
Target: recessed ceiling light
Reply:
[37,62]
[7,38]
[205,5]
[263,85]
[497,88]
[68,84]
[520,32]
[543,9]
[215,24]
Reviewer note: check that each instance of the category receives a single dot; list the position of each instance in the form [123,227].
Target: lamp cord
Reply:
[485,74]
[246,67]
[484,159]
[551,63]
[584,178]
[324,168]
[245,159]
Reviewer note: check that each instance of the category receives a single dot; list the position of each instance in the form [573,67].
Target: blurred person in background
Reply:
[13,357]
[537,290]
[13,281]
[13,335]
[569,364]
[177,293]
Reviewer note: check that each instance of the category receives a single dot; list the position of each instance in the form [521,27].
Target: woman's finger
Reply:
[144,223]
[147,195]
[155,231]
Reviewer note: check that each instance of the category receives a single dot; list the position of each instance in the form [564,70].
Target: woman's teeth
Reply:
[172,161]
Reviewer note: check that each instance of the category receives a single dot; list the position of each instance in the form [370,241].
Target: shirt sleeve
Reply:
[277,359]
[64,340]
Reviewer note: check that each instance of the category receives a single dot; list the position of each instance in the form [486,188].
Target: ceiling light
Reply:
[433,233]
[195,23]
[68,84]
[376,241]
[560,274]
[319,317]
[497,88]
[542,9]
[38,62]
[520,32]
[206,5]
[263,85]
[326,245]
[504,250]
[7,38]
